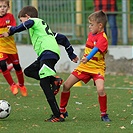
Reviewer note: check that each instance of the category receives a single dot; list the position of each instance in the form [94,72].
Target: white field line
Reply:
[88,87]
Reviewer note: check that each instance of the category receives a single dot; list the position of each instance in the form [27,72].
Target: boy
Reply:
[8,51]
[92,64]
[48,52]
[32,70]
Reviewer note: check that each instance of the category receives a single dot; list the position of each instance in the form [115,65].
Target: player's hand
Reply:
[75,60]
[84,60]
[6,34]
[9,27]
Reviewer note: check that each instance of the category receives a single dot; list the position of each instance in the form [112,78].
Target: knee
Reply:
[101,91]
[17,67]
[3,65]
[26,72]
[66,87]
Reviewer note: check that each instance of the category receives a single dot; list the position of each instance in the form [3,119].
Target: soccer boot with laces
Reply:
[56,85]
[55,119]
[23,90]
[105,118]
[14,89]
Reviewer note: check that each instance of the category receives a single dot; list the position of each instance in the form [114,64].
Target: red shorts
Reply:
[10,58]
[85,77]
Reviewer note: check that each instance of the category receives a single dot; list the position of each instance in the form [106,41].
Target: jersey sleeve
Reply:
[23,26]
[102,43]
[62,40]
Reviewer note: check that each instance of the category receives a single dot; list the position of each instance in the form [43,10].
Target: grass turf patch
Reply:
[28,113]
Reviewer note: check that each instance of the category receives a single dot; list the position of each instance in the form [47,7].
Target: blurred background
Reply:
[70,17]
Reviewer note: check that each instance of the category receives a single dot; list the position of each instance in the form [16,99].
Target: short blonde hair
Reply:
[99,17]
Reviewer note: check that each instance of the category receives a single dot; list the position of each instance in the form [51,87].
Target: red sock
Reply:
[20,77]
[103,104]
[8,77]
[64,100]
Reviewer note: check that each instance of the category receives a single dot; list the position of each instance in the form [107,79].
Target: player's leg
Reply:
[45,85]
[6,73]
[10,66]
[8,77]
[102,98]
[32,70]
[75,77]
[65,94]
[19,73]
[45,73]
[56,82]
[20,78]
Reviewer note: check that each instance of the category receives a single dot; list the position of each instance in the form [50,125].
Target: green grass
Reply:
[28,113]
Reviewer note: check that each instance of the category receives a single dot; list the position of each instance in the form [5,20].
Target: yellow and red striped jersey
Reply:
[96,64]
[7,44]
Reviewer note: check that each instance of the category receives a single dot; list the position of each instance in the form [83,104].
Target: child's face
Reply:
[23,19]
[3,8]
[95,27]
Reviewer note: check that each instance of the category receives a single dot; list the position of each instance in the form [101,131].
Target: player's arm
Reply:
[62,40]
[23,26]
[90,55]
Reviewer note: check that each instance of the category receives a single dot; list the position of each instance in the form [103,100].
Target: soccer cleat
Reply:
[65,114]
[105,118]
[57,83]
[14,89]
[55,119]
[23,90]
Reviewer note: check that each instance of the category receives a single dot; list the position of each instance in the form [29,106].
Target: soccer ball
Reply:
[5,109]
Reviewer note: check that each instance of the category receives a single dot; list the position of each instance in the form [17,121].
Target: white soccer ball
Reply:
[5,109]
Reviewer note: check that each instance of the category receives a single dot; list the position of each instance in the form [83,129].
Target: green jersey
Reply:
[42,37]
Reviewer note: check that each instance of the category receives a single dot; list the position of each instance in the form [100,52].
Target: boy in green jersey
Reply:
[47,49]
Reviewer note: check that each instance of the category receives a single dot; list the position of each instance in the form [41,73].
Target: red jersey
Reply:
[105,5]
[95,65]
[7,44]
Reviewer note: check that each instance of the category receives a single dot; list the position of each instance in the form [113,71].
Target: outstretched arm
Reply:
[23,26]
[62,40]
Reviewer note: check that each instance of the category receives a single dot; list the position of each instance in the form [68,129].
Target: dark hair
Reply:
[29,10]
[99,17]
[6,1]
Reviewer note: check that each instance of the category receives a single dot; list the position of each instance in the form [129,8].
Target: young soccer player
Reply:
[8,51]
[48,52]
[32,70]
[92,64]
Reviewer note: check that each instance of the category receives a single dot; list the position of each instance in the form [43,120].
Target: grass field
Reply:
[28,113]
